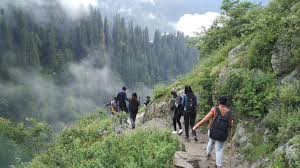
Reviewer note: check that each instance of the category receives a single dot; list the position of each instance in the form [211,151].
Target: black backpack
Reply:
[220,126]
[190,102]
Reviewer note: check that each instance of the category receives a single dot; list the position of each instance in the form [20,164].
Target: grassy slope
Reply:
[93,142]
[250,83]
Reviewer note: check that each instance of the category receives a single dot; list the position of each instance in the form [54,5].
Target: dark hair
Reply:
[223,100]
[148,97]
[124,88]
[134,95]
[188,89]
[174,93]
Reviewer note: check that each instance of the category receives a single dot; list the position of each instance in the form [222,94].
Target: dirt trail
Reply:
[196,151]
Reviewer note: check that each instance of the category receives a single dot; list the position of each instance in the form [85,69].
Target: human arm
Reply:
[205,119]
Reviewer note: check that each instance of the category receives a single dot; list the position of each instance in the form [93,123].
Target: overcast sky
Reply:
[167,15]
[187,16]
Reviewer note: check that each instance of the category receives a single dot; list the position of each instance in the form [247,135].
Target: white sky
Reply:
[191,23]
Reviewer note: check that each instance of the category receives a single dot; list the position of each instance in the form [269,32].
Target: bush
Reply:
[161,90]
[24,140]
[277,161]
[250,91]
[92,142]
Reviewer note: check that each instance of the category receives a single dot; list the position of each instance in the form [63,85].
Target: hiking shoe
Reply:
[180,132]
[195,138]
[174,132]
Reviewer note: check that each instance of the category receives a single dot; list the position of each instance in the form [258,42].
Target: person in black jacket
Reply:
[189,113]
[134,104]
[121,100]
[175,107]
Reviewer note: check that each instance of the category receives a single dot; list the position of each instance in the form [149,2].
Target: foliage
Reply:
[92,142]
[160,90]
[277,161]
[251,92]
[23,140]
[283,120]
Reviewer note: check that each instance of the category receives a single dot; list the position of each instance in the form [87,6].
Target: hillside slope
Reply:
[252,55]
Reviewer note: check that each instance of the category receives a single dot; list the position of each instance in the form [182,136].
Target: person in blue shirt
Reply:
[189,113]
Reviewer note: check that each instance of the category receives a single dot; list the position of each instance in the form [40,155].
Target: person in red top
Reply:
[224,110]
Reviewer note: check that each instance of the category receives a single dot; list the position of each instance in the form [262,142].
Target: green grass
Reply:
[92,142]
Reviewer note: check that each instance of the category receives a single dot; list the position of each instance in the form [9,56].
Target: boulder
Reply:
[185,160]
[280,59]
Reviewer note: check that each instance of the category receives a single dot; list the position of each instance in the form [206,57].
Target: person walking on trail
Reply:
[148,100]
[114,106]
[189,113]
[176,115]
[121,100]
[134,104]
[220,119]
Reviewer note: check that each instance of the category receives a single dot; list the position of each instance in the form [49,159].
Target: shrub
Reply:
[92,142]
[250,91]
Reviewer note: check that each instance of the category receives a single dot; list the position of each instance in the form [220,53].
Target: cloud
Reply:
[152,16]
[127,11]
[147,1]
[75,8]
[191,23]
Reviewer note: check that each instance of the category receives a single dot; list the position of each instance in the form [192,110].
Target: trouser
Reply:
[189,121]
[176,119]
[132,120]
[219,147]
[124,108]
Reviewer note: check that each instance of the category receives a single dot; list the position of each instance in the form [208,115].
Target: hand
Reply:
[194,128]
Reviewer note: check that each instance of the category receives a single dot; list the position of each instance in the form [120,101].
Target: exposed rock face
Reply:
[280,59]
[185,160]
[292,152]
[293,76]
[157,110]
[241,137]
[223,75]
[233,55]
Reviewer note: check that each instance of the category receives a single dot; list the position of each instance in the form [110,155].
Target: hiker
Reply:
[220,119]
[148,100]
[114,107]
[176,115]
[134,104]
[189,113]
[121,100]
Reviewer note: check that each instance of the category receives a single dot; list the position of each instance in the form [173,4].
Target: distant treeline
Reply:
[51,44]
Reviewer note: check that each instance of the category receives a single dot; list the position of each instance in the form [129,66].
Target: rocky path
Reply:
[194,154]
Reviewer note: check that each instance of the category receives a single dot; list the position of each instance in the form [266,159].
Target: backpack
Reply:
[114,106]
[175,103]
[190,102]
[220,126]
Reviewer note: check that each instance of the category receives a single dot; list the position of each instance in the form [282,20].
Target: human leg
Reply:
[186,123]
[219,148]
